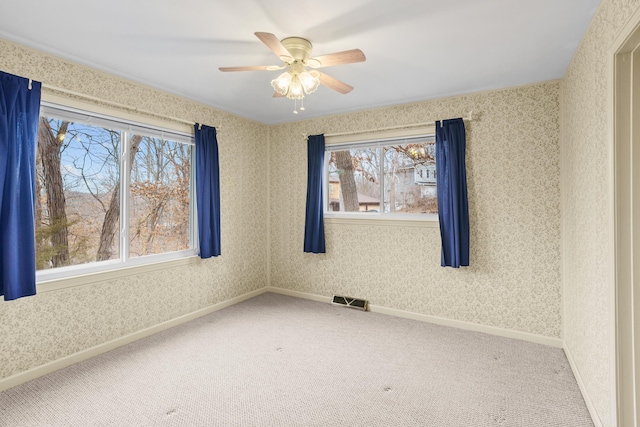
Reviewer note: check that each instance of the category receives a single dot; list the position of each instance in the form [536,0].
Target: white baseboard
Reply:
[492,330]
[508,333]
[298,294]
[38,371]
[587,399]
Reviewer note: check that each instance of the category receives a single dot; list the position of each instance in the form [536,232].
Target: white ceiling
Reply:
[415,49]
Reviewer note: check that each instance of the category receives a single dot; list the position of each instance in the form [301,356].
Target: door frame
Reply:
[624,162]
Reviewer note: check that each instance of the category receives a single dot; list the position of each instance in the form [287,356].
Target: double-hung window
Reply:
[110,193]
[389,178]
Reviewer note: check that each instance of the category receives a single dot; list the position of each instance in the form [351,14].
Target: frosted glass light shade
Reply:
[310,81]
[281,83]
[295,85]
[295,88]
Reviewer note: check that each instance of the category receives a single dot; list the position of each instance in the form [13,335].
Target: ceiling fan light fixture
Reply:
[310,81]
[296,90]
[295,85]
[281,83]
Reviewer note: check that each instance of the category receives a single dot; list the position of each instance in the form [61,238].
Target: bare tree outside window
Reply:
[405,193]
[77,174]
[79,201]
[394,178]
[160,177]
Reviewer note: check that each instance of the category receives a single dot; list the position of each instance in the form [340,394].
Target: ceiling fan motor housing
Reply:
[299,48]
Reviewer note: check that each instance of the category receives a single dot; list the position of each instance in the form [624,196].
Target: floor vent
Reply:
[360,304]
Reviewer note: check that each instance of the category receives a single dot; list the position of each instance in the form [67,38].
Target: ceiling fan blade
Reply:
[345,57]
[272,42]
[335,84]
[252,68]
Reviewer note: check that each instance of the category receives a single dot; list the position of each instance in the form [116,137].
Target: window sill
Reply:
[430,221]
[86,278]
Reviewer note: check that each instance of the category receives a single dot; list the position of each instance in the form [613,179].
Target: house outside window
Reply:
[384,178]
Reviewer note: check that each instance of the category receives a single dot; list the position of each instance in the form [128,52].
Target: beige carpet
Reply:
[281,361]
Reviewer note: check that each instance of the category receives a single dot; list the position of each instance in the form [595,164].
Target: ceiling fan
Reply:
[297,81]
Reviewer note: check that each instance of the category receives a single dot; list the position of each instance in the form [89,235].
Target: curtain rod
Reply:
[116,104]
[415,125]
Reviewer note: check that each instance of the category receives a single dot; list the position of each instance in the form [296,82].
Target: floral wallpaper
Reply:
[513,169]
[585,203]
[51,325]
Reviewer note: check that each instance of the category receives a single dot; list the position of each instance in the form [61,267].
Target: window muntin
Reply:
[388,178]
[124,192]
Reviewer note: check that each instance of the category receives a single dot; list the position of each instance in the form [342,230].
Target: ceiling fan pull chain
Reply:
[302,104]
[295,106]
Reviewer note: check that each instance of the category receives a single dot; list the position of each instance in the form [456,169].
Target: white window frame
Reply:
[126,123]
[367,141]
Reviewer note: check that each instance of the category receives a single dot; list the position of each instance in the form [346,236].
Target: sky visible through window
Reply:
[80,203]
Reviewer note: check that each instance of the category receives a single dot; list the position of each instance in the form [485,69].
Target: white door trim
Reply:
[624,166]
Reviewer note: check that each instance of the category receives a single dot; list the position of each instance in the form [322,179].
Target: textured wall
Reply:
[514,199]
[51,325]
[586,198]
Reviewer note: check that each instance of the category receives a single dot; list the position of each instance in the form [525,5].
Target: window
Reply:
[109,192]
[387,178]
